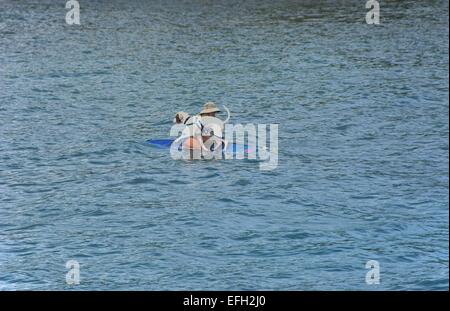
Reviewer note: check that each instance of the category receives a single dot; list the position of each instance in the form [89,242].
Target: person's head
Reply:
[209,110]
[180,117]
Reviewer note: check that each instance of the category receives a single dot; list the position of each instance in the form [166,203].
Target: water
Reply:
[363,145]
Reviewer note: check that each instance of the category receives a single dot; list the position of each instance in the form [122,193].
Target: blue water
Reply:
[363,145]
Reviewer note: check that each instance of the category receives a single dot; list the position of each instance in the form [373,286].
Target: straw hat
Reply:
[209,107]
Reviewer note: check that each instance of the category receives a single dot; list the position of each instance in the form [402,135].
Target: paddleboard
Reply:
[166,143]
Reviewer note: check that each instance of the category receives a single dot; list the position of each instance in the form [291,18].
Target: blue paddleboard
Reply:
[166,143]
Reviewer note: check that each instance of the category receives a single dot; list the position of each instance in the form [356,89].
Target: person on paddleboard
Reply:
[213,127]
[202,129]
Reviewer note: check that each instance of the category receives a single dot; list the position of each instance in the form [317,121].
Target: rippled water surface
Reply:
[363,145]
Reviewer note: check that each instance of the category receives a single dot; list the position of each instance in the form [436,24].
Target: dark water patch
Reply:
[141,180]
